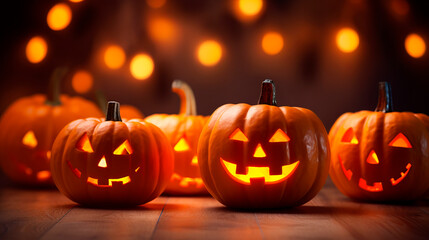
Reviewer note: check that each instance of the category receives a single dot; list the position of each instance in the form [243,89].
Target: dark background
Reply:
[310,71]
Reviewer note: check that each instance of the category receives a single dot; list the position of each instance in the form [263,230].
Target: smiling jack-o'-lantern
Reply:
[381,155]
[110,162]
[263,156]
[28,129]
[183,131]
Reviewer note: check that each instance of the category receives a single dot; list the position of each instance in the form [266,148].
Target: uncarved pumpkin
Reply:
[381,155]
[263,156]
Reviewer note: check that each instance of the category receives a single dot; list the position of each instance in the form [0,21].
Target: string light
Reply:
[209,53]
[415,45]
[82,81]
[141,66]
[272,43]
[347,40]
[36,49]
[114,57]
[59,17]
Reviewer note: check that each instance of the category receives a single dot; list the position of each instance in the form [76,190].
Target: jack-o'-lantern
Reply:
[263,156]
[28,129]
[183,130]
[381,155]
[111,162]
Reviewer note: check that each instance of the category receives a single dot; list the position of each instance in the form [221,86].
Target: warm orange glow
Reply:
[114,57]
[156,3]
[394,182]
[123,149]
[258,173]
[238,135]
[272,43]
[349,137]
[59,17]
[43,175]
[280,136]
[259,152]
[102,163]
[209,53]
[415,45]
[84,145]
[187,181]
[75,170]
[377,187]
[141,66]
[48,154]
[29,139]
[82,81]
[400,141]
[250,7]
[194,161]
[348,173]
[123,180]
[347,40]
[181,146]
[162,30]
[76,1]
[372,158]
[400,7]
[36,49]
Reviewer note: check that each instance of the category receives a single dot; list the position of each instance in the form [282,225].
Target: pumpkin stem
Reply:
[53,96]
[101,100]
[385,103]
[268,93]
[187,98]
[113,113]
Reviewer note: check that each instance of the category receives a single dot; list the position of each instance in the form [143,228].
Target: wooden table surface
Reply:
[47,214]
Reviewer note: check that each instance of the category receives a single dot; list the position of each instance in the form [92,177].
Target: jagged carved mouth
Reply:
[187,181]
[256,173]
[96,182]
[376,186]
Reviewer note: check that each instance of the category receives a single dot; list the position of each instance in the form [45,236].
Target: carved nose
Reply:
[102,162]
[259,152]
[372,158]
[194,161]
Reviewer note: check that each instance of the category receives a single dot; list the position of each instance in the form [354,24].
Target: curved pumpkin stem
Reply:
[268,93]
[385,103]
[113,112]
[53,96]
[187,98]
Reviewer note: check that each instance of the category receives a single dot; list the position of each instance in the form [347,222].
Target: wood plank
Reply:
[204,218]
[29,213]
[86,223]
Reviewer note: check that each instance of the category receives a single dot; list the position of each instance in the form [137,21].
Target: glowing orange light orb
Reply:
[162,30]
[347,40]
[155,3]
[415,45]
[76,1]
[114,57]
[82,81]
[141,66]
[209,53]
[36,49]
[59,17]
[250,7]
[272,43]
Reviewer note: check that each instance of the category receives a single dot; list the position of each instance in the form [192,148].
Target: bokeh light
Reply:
[59,17]
[272,43]
[114,57]
[162,30]
[36,49]
[250,7]
[82,81]
[141,66]
[347,40]
[209,53]
[76,1]
[155,3]
[415,45]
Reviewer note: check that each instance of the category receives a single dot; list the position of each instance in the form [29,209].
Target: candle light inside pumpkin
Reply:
[141,66]
[36,49]
[59,17]
[415,45]
[209,53]
[347,40]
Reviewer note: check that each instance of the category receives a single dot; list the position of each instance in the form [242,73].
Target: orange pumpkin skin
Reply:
[388,160]
[26,164]
[183,131]
[130,112]
[306,147]
[101,176]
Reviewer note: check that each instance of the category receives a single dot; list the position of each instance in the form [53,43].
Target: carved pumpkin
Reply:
[29,127]
[183,131]
[263,156]
[109,162]
[381,155]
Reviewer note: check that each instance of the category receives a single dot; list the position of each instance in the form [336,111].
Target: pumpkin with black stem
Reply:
[183,131]
[111,162]
[263,156]
[28,129]
[127,111]
[381,155]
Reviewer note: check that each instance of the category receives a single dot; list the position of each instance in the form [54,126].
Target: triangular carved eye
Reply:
[84,145]
[29,139]
[280,136]
[182,145]
[238,135]
[350,137]
[123,149]
[400,141]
